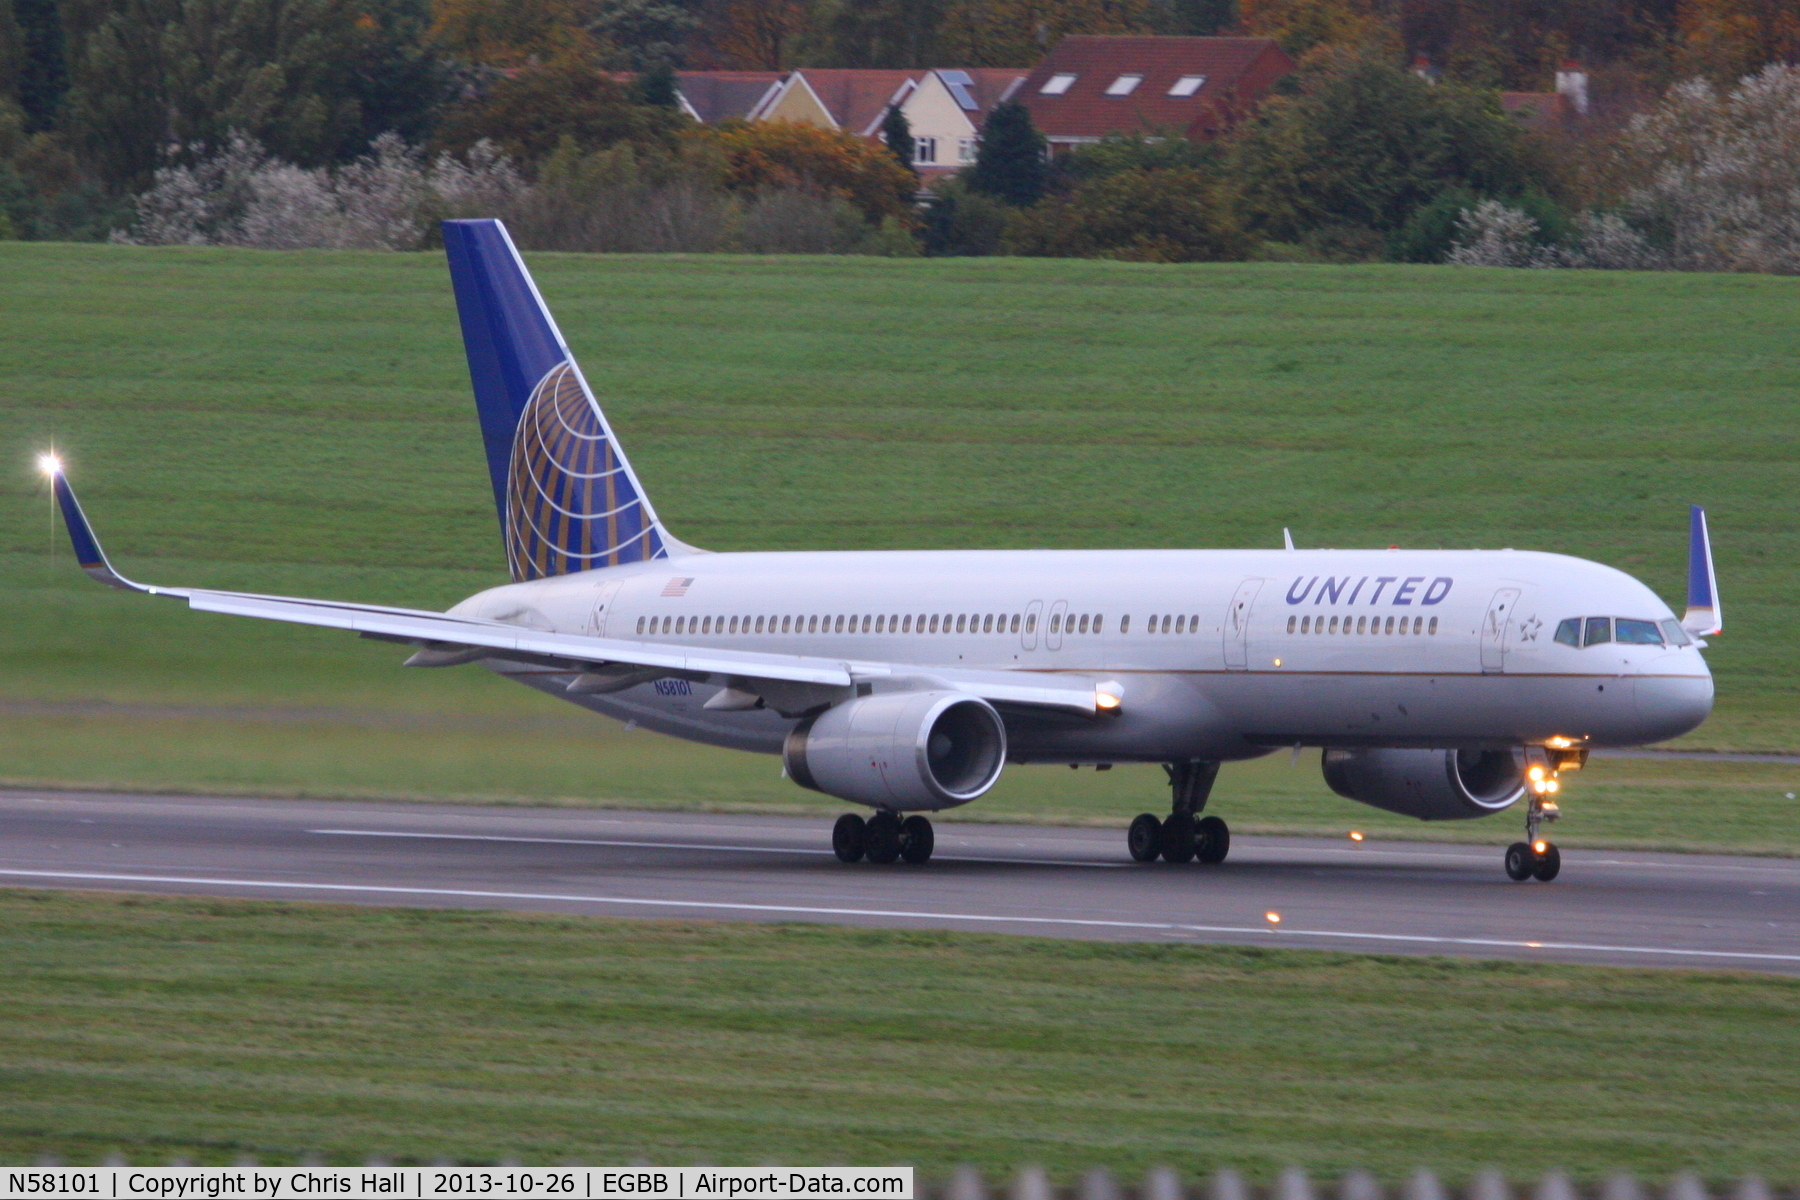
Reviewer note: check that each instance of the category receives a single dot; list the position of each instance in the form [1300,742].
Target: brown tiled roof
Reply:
[1237,70]
[855,97]
[725,95]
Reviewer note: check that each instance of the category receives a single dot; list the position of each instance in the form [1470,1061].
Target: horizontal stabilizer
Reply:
[1704,616]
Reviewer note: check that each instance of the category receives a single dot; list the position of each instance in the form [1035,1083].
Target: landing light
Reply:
[49,464]
[1105,700]
[1355,836]
[1550,785]
[1278,662]
[1536,773]
[1539,847]
[1273,917]
[1559,743]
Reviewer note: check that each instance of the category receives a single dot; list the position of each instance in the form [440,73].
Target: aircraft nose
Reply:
[1672,697]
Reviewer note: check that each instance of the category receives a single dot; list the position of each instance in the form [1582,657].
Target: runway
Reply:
[1608,907]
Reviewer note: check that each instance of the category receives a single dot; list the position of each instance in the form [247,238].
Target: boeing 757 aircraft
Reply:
[1441,684]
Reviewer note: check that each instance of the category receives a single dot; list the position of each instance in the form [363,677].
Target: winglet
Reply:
[87,547]
[1287,538]
[1704,617]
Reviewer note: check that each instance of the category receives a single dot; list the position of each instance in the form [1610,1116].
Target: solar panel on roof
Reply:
[959,83]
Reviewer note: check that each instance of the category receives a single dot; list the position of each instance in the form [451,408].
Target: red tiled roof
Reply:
[1237,70]
[725,95]
[855,97]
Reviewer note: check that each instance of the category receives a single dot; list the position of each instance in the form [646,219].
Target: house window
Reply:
[965,150]
[1124,85]
[925,150]
[1057,84]
[1187,85]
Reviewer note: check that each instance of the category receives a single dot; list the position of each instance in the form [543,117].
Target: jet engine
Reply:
[1432,785]
[900,751]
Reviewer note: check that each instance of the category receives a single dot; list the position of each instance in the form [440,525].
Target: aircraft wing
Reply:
[454,638]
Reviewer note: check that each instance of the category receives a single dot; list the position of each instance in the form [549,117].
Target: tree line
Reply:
[357,122]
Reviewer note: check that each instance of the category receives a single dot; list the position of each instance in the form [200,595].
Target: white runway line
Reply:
[801,910]
[725,849]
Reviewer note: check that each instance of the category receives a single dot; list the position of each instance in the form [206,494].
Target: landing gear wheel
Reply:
[881,840]
[1178,838]
[1144,838]
[916,839]
[848,837]
[1212,840]
[1545,866]
[1520,864]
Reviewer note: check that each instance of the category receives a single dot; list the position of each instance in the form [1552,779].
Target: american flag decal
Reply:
[677,587]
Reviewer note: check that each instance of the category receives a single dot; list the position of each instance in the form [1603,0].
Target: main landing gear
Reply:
[1537,857]
[1185,835]
[883,838]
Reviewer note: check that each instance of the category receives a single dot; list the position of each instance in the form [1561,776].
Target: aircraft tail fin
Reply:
[1704,617]
[568,499]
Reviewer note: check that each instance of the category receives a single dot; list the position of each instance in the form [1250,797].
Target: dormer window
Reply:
[1187,85]
[1057,84]
[1124,85]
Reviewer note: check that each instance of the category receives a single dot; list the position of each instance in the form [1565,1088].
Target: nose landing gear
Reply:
[1184,836]
[1536,857]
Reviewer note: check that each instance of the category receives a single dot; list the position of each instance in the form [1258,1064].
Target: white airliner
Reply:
[1440,684]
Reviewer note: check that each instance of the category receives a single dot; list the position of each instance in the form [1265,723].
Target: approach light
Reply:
[49,464]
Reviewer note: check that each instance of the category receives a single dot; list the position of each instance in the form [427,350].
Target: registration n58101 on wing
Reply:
[1441,684]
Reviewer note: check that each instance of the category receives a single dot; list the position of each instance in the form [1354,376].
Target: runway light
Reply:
[1355,836]
[1274,917]
[49,464]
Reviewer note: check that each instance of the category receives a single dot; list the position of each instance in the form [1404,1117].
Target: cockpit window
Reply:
[1569,632]
[1638,633]
[1674,634]
[1599,629]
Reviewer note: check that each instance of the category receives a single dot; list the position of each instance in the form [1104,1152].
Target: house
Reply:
[945,110]
[1089,86]
[713,96]
[854,100]
[1551,110]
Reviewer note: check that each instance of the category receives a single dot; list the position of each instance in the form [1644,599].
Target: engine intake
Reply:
[1432,785]
[900,750]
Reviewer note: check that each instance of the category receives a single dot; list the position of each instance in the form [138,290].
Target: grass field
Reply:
[301,423]
[210,1029]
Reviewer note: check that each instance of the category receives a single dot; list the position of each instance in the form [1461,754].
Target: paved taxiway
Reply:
[1395,897]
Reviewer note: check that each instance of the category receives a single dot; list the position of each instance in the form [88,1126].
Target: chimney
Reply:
[1572,86]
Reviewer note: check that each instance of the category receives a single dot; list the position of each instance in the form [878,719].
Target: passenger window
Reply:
[880,622]
[1599,629]
[1099,621]
[1334,624]
[1015,623]
[1674,634]
[1180,624]
[1431,630]
[1193,622]
[1031,623]
[934,622]
[640,624]
[1166,622]
[987,623]
[1638,633]
[1361,622]
[706,625]
[1569,632]
[1125,623]
[1293,623]
[1418,624]
[1055,622]
[1390,626]
[1151,627]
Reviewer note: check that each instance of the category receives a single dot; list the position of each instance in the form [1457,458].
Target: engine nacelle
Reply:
[1432,785]
[900,750]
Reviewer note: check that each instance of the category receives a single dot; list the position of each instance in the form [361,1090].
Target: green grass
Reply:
[300,422]
[208,1029]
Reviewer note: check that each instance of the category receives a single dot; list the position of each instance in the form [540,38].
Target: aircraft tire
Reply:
[1178,838]
[1547,865]
[916,840]
[1212,840]
[881,840]
[1144,838]
[1519,865]
[848,838]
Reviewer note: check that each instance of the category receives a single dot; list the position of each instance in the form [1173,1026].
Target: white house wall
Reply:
[933,112]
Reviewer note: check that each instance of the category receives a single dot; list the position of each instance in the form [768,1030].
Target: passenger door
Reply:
[603,599]
[1494,629]
[1237,625]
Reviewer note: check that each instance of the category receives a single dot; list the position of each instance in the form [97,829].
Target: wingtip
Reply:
[1704,616]
[88,554]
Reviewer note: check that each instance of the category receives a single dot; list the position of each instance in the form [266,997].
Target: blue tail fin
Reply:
[568,500]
